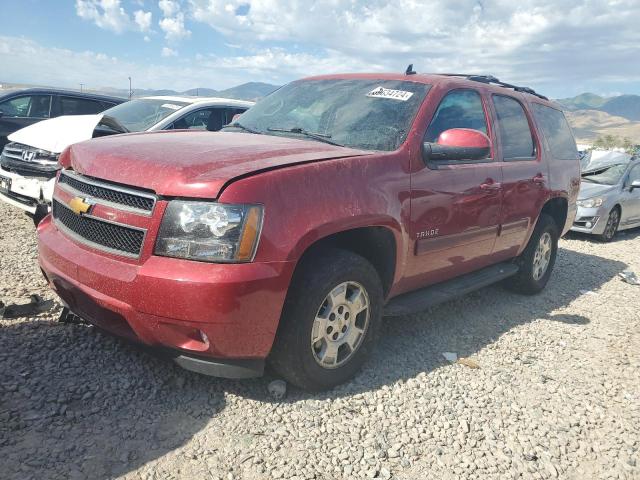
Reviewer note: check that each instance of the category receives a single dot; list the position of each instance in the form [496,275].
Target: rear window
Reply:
[556,130]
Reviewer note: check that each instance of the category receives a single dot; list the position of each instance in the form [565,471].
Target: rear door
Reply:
[21,111]
[524,174]
[455,206]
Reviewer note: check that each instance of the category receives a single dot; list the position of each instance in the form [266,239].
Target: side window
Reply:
[515,133]
[458,109]
[197,120]
[634,175]
[79,106]
[29,106]
[556,130]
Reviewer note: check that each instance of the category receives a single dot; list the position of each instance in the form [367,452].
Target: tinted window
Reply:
[31,106]
[359,113]
[515,134]
[458,109]
[79,106]
[556,130]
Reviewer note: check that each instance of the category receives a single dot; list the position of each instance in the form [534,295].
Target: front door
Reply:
[455,206]
[631,199]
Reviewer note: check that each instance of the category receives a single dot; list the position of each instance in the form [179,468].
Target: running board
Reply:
[419,300]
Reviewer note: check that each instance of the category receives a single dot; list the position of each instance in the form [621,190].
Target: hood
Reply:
[601,158]
[56,134]
[193,164]
[588,190]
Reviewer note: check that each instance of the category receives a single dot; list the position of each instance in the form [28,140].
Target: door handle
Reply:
[491,186]
[539,179]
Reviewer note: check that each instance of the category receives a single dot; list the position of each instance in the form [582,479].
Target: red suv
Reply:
[333,201]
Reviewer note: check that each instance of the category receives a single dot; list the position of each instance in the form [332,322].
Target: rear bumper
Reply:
[220,318]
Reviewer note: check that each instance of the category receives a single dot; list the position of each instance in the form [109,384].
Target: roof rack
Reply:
[490,79]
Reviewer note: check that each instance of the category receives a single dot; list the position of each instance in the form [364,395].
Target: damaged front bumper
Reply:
[31,194]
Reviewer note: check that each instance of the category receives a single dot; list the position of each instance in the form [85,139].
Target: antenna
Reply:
[410,70]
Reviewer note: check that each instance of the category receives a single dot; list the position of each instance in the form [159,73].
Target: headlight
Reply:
[210,232]
[590,202]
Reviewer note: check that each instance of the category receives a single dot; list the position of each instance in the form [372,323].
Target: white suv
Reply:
[29,163]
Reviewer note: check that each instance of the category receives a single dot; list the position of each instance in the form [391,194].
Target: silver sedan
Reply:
[609,198]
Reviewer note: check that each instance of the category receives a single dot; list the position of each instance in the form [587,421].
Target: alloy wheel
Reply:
[542,256]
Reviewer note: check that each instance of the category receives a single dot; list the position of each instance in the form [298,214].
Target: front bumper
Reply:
[208,314]
[590,220]
[27,193]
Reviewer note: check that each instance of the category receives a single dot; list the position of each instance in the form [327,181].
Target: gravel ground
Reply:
[557,394]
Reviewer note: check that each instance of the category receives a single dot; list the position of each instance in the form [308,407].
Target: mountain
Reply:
[627,106]
[584,101]
[248,91]
[588,125]
[201,92]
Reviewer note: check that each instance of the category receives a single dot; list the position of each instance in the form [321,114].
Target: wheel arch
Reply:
[378,244]
[558,209]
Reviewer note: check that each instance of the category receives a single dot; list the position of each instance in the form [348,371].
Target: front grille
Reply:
[12,160]
[108,192]
[104,235]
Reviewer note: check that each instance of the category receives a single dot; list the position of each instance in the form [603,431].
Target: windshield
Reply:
[364,114]
[609,175]
[142,114]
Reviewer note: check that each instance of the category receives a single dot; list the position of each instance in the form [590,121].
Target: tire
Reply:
[309,310]
[530,279]
[611,228]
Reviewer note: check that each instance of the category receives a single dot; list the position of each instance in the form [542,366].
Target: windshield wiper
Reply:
[321,137]
[242,127]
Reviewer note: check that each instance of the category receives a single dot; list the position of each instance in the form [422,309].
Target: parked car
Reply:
[609,199]
[20,108]
[28,165]
[284,237]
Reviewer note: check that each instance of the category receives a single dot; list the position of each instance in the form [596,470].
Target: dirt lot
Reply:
[557,394]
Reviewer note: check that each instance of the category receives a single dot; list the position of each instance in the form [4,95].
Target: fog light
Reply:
[588,224]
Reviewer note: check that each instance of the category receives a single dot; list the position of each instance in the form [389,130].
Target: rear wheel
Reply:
[611,228]
[330,320]
[538,258]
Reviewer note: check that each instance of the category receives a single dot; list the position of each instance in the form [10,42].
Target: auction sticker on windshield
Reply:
[381,92]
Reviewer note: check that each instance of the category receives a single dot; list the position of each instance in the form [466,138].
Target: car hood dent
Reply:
[588,190]
[194,164]
[56,134]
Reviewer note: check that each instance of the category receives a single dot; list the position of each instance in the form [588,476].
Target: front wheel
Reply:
[330,320]
[611,228]
[538,258]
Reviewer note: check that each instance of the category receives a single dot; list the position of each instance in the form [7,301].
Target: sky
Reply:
[559,47]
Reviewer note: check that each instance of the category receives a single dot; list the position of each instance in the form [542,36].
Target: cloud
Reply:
[143,20]
[169,7]
[106,14]
[110,15]
[174,28]
[168,52]
[525,41]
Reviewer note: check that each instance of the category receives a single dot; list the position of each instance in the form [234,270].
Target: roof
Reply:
[208,100]
[58,91]
[462,80]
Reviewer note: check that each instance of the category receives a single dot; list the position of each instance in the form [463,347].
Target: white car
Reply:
[28,164]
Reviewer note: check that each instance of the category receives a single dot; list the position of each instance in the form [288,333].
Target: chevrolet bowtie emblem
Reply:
[79,206]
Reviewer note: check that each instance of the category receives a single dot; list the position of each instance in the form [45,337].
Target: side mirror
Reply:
[236,117]
[458,144]
[635,184]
